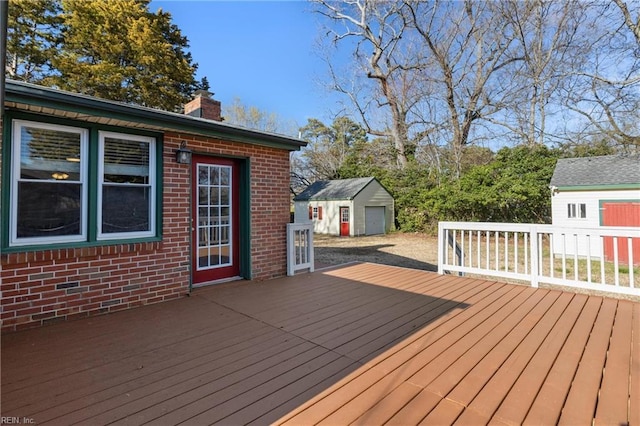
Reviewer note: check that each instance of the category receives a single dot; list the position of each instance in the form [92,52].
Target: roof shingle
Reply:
[591,171]
[339,189]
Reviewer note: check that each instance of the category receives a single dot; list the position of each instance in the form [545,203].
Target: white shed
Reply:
[346,207]
[593,192]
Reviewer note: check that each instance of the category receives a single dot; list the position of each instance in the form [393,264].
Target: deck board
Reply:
[581,402]
[614,394]
[359,344]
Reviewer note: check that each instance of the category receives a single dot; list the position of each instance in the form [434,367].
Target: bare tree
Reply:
[433,64]
[549,43]
[629,21]
[605,90]
[377,31]
[253,117]
[466,44]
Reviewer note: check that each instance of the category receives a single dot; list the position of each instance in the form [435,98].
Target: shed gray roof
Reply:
[597,171]
[340,189]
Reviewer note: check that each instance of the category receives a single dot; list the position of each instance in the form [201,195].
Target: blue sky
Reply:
[259,51]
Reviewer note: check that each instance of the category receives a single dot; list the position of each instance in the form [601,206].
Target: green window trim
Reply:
[91,183]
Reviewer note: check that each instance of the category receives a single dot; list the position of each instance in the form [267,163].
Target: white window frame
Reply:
[314,214]
[101,236]
[16,147]
[576,210]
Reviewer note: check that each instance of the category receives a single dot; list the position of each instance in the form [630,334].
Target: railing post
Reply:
[310,258]
[535,261]
[442,240]
[291,250]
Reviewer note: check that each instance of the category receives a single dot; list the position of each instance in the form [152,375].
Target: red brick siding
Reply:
[52,285]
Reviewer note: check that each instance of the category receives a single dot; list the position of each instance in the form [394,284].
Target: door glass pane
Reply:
[214,213]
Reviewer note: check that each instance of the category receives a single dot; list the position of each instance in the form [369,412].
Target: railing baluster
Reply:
[630,253]
[588,258]
[487,236]
[462,248]
[552,256]
[515,251]
[478,248]
[575,257]
[526,253]
[616,272]
[564,256]
[497,252]
[470,249]
[602,275]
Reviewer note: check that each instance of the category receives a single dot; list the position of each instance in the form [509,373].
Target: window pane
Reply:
[48,209]
[125,209]
[126,161]
[583,211]
[49,154]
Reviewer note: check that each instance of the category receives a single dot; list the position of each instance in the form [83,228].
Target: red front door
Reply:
[344,221]
[215,231]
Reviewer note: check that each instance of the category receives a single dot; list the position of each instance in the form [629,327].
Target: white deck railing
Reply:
[598,259]
[299,247]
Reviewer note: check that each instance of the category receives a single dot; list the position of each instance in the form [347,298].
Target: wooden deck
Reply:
[360,344]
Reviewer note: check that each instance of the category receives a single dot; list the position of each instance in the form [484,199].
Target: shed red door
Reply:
[216,237]
[621,214]
[344,221]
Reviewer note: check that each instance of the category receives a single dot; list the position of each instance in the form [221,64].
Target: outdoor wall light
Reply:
[183,155]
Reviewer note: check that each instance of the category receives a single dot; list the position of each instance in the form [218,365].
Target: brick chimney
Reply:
[203,106]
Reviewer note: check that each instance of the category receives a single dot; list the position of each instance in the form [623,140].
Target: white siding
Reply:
[591,199]
[372,195]
[330,222]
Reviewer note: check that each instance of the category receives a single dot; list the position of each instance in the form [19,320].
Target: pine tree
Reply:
[119,50]
[33,38]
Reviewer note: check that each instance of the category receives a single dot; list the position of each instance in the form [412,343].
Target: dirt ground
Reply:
[418,251]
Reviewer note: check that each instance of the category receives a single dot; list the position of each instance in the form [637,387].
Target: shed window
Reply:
[51,183]
[576,211]
[315,212]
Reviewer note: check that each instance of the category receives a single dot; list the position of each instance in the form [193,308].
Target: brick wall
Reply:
[53,285]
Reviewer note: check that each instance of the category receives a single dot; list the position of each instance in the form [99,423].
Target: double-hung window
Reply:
[126,196]
[74,184]
[49,184]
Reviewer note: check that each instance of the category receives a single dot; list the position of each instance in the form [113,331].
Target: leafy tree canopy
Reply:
[512,188]
[114,49]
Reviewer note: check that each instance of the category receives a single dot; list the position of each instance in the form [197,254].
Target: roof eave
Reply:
[77,103]
[611,187]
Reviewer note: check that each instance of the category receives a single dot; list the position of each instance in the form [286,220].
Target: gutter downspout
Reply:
[4,18]
[4,14]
